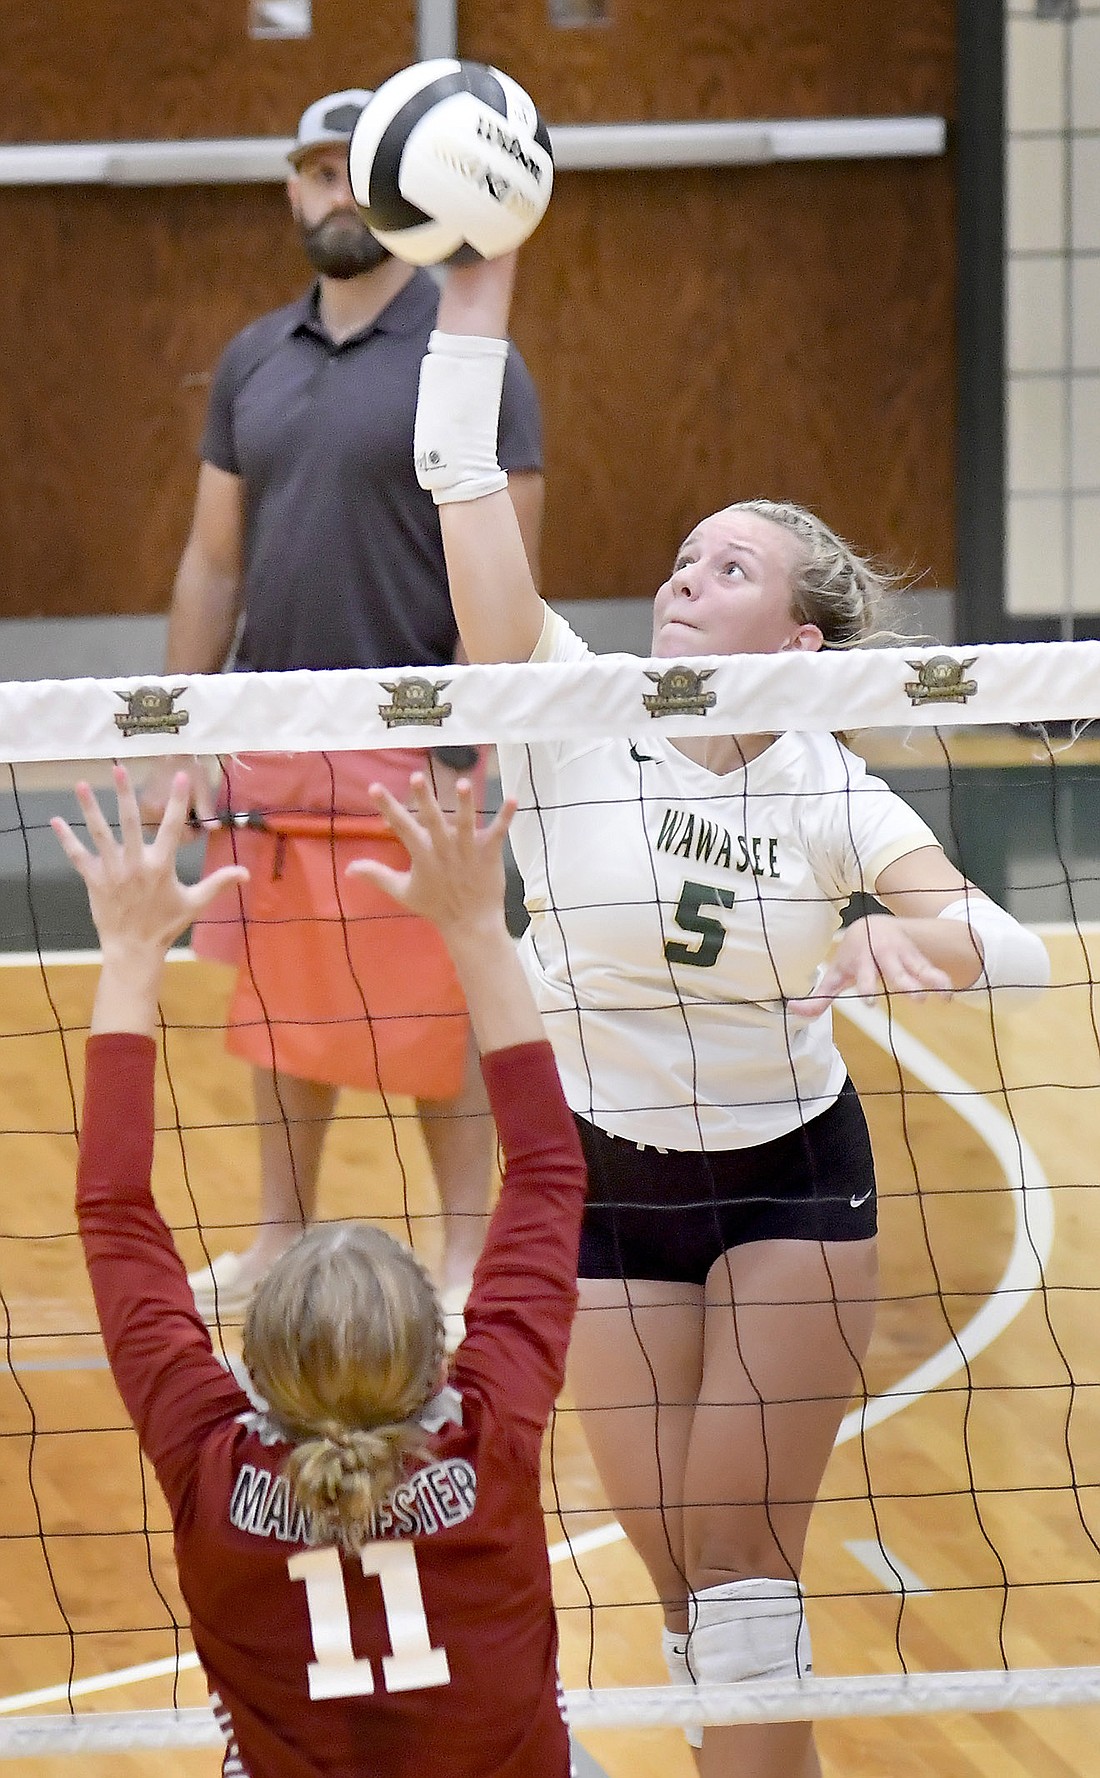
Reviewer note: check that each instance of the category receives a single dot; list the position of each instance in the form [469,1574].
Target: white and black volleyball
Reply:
[447,156]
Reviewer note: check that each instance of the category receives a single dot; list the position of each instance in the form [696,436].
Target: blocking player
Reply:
[363,1555]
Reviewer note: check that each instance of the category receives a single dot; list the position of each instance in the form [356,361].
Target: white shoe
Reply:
[454,1321]
[219,1288]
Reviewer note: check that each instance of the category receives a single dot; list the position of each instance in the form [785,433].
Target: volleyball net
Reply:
[955,1548]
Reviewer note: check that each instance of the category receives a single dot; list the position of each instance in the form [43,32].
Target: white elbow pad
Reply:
[457,412]
[1014,960]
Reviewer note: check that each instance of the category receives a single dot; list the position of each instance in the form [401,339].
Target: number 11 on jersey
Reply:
[337,1671]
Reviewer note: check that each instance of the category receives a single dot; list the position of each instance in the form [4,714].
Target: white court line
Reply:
[586,1540]
[99,1682]
[1033,1237]
[895,1576]
[1059,928]
[57,959]
[1033,1210]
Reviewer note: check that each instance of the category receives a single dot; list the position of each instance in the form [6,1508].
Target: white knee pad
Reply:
[674,1649]
[749,1629]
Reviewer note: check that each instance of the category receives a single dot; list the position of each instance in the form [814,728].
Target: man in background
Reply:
[312,537]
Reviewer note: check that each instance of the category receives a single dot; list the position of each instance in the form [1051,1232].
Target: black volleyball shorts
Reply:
[669,1215]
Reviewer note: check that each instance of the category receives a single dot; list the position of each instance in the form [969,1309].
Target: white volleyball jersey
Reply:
[674,911]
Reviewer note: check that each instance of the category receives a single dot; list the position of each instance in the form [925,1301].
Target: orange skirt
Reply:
[335,982]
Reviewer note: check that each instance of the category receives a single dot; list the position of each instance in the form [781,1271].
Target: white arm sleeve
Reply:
[1014,961]
[457,413]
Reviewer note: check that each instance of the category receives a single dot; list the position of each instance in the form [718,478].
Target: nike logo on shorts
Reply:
[642,759]
[858,1203]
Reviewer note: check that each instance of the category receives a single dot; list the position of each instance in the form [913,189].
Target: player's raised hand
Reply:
[456,868]
[876,955]
[137,900]
[456,879]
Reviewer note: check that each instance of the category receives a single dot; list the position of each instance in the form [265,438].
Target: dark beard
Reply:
[342,246]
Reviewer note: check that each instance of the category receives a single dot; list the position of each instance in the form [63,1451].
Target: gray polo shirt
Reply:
[343,555]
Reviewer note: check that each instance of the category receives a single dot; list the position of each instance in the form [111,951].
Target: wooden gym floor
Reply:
[972,1485]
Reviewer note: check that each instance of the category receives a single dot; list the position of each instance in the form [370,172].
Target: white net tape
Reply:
[626,1707]
[605,696]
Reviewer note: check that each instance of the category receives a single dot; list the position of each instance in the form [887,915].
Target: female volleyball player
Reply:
[683,895]
[363,1554]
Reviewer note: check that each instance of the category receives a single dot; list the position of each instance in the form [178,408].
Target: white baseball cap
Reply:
[327,120]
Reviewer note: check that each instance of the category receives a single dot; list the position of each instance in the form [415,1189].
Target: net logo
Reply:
[150,710]
[414,701]
[679,692]
[940,681]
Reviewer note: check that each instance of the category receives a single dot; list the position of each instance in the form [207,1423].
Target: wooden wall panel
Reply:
[694,334]
[119,302]
[106,70]
[724,58]
[703,335]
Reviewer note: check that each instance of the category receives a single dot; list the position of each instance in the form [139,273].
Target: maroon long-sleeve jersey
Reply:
[434,1651]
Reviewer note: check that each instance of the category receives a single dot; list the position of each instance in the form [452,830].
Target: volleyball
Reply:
[448,156]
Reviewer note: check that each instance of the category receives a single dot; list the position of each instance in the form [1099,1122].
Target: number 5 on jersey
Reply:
[693,897]
[337,1671]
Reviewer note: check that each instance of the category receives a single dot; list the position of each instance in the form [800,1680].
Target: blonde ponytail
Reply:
[342,1476]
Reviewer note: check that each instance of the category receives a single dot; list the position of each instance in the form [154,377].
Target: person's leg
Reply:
[460,1137]
[635,1365]
[788,1324]
[292,1117]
